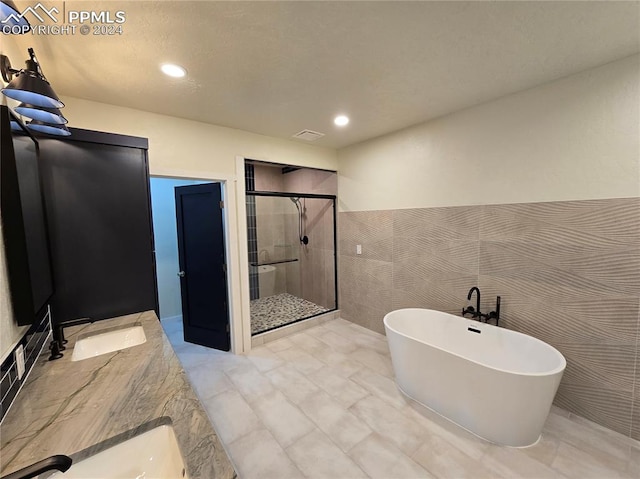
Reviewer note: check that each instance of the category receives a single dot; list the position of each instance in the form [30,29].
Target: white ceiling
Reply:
[276,68]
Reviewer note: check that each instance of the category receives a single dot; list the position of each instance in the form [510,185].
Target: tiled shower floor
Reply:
[280,309]
[322,403]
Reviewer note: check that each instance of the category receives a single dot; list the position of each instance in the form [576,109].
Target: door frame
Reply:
[243,238]
[232,241]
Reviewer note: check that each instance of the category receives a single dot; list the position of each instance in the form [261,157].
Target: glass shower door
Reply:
[292,258]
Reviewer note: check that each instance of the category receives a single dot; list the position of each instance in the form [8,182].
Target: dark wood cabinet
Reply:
[96,189]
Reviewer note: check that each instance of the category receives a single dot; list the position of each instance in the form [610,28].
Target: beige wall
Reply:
[175,143]
[576,138]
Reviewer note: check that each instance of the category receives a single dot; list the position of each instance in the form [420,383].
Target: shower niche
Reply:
[291,218]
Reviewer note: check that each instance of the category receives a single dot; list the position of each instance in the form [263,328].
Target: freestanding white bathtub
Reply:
[496,383]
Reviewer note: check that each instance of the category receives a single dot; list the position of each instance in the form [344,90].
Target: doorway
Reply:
[189,232]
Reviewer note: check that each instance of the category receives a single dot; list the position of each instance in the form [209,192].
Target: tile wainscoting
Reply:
[33,343]
[568,273]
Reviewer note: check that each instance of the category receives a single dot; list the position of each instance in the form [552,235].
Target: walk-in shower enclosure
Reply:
[292,257]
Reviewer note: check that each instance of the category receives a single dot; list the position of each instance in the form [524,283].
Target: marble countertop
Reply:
[66,407]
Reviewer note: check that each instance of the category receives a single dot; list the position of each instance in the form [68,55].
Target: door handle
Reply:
[181,274]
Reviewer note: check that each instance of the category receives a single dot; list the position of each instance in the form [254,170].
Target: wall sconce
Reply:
[29,85]
[10,15]
[48,128]
[39,101]
[47,115]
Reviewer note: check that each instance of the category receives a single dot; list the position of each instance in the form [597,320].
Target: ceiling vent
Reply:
[308,135]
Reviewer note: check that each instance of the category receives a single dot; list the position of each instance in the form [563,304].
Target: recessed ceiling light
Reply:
[175,71]
[341,120]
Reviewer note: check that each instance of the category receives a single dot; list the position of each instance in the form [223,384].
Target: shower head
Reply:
[296,201]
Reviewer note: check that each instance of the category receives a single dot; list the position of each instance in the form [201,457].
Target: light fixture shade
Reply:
[29,87]
[48,128]
[10,15]
[47,115]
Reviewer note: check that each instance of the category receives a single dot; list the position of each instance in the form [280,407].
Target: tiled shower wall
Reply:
[273,245]
[568,273]
[317,259]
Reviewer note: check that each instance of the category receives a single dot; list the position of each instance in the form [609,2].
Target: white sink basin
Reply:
[150,455]
[107,341]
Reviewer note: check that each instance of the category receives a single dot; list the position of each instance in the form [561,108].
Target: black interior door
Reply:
[203,281]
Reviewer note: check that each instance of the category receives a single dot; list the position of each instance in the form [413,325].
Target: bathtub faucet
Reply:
[474,312]
[493,314]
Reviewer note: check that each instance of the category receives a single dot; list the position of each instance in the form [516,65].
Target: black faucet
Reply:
[474,312]
[58,342]
[477,290]
[54,463]
[494,314]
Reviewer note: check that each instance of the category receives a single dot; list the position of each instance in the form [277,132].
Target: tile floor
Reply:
[280,309]
[322,403]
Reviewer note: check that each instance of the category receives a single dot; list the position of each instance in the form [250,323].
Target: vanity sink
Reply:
[152,454]
[107,341]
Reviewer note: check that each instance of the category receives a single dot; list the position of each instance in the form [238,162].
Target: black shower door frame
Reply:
[335,242]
